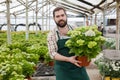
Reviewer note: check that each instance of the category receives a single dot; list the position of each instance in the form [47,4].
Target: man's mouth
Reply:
[61,21]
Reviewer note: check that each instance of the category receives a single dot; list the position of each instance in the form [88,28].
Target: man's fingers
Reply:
[77,63]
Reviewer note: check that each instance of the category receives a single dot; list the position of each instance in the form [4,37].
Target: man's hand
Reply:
[74,61]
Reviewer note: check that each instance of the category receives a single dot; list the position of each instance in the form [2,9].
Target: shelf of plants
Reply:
[109,64]
[20,59]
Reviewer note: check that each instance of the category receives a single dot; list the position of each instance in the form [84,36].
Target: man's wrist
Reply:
[67,59]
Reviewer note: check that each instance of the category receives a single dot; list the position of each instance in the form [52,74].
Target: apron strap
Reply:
[58,35]
[70,28]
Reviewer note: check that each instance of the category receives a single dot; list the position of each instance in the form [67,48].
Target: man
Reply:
[66,66]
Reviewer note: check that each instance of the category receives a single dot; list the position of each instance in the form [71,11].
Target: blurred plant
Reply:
[28,68]
[110,43]
[108,68]
[48,59]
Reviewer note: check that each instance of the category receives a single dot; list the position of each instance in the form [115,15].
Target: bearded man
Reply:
[66,66]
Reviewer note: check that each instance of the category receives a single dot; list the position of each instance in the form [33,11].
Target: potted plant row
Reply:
[110,70]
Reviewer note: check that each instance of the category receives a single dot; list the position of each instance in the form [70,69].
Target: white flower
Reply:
[3,73]
[90,33]
[115,68]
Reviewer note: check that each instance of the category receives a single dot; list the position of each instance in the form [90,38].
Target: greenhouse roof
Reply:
[87,7]
[80,7]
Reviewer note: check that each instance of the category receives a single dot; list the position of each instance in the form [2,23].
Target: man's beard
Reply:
[61,23]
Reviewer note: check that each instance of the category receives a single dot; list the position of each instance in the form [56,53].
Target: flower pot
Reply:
[84,60]
[51,63]
[28,78]
[35,67]
[115,78]
[107,78]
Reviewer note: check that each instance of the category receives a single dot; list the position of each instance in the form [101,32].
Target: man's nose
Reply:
[61,17]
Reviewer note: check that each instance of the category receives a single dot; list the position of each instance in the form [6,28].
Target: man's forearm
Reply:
[61,58]
[71,59]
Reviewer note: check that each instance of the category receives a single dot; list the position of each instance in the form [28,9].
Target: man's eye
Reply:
[57,16]
[62,15]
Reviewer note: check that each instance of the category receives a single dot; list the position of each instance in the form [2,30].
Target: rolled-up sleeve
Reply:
[52,45]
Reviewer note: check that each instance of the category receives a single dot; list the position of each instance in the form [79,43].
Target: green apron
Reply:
[67,70]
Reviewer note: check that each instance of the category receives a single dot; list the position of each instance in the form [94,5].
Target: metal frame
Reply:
[76,8]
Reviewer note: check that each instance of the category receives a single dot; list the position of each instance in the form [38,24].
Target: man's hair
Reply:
[57,9]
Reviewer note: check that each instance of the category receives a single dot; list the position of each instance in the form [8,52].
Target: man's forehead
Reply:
[59,12]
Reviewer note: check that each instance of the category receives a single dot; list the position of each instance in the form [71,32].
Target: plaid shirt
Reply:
[52,41]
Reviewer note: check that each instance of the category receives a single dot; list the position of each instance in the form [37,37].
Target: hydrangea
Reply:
[90,33]
[85,41]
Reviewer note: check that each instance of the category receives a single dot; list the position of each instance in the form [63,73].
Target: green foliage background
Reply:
[18,59]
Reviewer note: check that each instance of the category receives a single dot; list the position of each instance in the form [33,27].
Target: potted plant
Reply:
[27,69]
[48,60]
[85,41]
[38,49]
[110,69]
[110,43]
[115,69]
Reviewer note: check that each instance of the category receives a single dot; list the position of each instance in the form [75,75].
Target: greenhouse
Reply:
[30,32]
